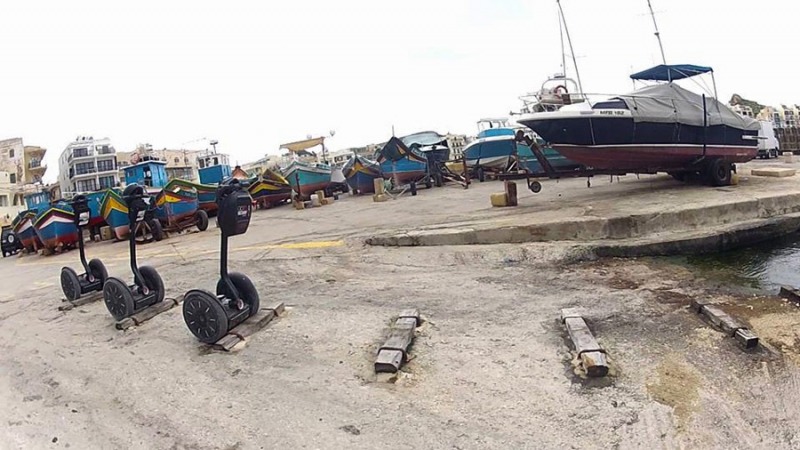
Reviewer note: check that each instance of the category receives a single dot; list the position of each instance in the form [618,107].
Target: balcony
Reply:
[36,165]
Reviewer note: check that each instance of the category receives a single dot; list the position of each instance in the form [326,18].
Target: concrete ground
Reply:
[491,367]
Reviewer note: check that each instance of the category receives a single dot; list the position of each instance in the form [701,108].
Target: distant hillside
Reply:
[754,105]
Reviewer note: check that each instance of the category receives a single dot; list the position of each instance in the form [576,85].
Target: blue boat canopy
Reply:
[671,72]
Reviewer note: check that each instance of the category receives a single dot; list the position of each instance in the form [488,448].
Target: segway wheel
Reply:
[70,284]
[155,230]
[246,290]
[204,316]
[118,298]
[153,282]
[98,270]
[201,220]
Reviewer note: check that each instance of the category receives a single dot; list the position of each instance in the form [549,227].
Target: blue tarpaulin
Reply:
[671,72]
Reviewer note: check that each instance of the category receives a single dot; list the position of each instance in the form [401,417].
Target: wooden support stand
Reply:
[249,327]
[732,327]
[511,193]
[592,356]
[148,313]
[85,300]
[394,352]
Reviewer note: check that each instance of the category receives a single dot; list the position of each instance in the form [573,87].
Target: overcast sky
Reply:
[255,74]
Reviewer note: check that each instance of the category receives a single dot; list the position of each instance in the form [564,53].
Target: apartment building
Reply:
[87,165]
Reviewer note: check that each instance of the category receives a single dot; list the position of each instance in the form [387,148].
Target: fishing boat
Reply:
[115,213]
[95,202]
[213,167]
[401,164]
[206,194]
[23,228]
[360,173]
[177,207]
[306,178]
[496,149]
[270,189]
[55,225]
[661,127]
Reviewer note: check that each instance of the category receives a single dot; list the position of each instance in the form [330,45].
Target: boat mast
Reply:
[571,50]
[657,33]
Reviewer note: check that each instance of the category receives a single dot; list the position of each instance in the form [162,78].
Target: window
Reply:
[11,153]
[3,200]
[104,165]
[84,168]
[12,178]
[106,182]
[78,152]
[177,160]
[185,160]
[86,186]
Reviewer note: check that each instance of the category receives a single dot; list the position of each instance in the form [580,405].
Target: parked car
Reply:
[10,243]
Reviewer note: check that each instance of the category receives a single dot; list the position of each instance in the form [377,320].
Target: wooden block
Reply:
[774,172]
[410,314]
[125,323]
[499,200]
[581,336]
[511,193]
[406,323]
[380,187]
[746,338]
[790,293]
[85,300]
[320,195]
[148,313]
[697,305]
[595,364]
[722,320]
[388,361]
[278,308]
[380,198]
[400,339]
[254,324]
[228,342]
[299,205]
[569,313]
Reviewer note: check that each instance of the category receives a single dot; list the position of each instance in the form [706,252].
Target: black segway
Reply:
[95,273]
[208,316]
[121,299]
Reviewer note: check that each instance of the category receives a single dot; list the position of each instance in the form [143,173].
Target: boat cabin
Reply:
[36,200]
[147,173]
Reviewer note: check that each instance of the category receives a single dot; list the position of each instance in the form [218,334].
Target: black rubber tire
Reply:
[535,187]
[201,220]
[481,174]
[204,316]
[719,173]
[99,271]
[246,288]
[428,183]
[118,298]
[155,230]
[153,282]
[70,284]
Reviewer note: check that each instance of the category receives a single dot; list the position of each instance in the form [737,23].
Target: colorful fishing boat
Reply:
[177,207]
[115,213]
[360,173]
[307,178]
[401,164]
[23,228]
[270,189]
[206,194]
[95,213]
[55,225]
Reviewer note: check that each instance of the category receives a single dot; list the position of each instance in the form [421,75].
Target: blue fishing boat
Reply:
[95,200]
[115,213]
[177,206]
[23,228]
[307,178]
[269,189]
[360,173]
[401,164]
[55,225]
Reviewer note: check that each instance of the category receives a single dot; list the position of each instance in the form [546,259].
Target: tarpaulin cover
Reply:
[395,150]
[300,146]
[672,103]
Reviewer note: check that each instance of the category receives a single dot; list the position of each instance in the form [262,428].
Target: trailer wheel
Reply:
[719,173]
[535,187]
[155,230]
[201,220]
[481,174]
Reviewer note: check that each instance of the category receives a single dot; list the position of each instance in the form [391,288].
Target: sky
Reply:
[255,74]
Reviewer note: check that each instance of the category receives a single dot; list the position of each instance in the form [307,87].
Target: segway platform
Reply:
[249,327]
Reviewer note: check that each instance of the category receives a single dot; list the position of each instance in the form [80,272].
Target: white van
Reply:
[768,146]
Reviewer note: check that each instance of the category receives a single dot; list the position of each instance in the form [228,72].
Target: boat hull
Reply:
[307,181]
[361,173]
[404,170]
[56,226]
[115,213]
[176,206]
[95,208]
[26,233]
[267,193]
[623,144]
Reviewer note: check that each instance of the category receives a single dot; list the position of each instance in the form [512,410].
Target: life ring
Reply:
[562,88]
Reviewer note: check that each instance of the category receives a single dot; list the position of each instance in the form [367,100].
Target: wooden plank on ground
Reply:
[394,352]
[790,293]
[85,300]
[249,327]
[148,313]
[591,354]
[729,325]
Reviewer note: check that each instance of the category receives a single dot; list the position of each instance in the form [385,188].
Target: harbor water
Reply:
[765,266]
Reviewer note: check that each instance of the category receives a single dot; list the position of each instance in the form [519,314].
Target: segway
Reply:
[208,316]
[95,274]
[121,299]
